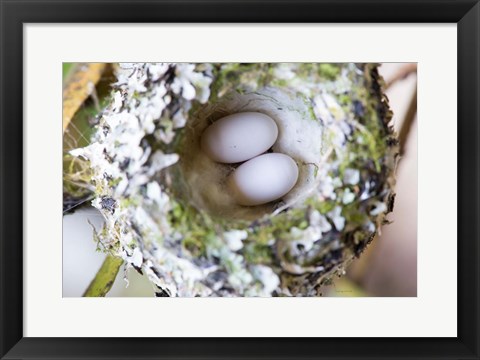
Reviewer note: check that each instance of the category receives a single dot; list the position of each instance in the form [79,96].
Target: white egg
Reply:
[239,137]
[263,179]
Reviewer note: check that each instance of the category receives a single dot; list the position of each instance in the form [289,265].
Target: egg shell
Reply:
[263,179]
[239,137]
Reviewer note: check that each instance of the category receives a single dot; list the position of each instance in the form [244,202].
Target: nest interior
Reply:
[202,182]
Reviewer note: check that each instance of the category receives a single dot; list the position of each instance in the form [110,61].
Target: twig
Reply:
[70,203]
[408,122]
[103,281]
[402,73]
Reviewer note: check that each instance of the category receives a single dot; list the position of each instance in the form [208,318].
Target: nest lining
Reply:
[203,181]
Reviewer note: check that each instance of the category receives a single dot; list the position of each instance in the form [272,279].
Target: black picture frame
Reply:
[15,13]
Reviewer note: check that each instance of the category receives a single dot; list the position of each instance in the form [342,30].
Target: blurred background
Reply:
[388,267]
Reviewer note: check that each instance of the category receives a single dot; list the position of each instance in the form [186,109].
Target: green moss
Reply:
[362,104]
[345,101]
[280,83]
[129,202]
[114,182]
[257,253]
[240,77]
[354,214]
[306,70]
[311,112]
[261,235]
[303,225]
[323,207]
[194,244]
[329,71]
[198,234]
[282,223]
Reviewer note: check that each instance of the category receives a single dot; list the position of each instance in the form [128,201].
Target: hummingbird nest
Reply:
[165,210]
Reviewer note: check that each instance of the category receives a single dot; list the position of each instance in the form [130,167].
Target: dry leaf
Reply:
[79,87]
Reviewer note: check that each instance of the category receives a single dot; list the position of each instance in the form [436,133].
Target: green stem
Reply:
[103,281]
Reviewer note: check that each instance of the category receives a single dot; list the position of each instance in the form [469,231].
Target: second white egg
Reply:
[239,137]
[263,179]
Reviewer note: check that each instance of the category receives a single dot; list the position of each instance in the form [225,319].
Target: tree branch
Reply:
[402,73]
[103,281]
[408,122]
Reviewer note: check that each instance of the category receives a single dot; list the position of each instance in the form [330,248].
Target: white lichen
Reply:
[351,176]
